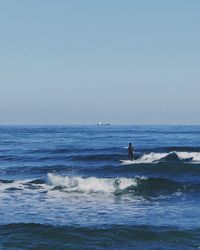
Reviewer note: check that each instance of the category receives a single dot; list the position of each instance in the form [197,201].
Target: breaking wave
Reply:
[193,157]
[136,186]
[91,184]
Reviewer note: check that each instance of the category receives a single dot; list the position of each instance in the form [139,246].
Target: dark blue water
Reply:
[70,187]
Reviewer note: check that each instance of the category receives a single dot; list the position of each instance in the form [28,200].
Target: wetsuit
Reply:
[130,153]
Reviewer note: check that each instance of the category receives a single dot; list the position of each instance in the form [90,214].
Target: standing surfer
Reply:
[130,152]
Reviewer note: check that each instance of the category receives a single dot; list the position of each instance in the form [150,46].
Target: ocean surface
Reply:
[66,187]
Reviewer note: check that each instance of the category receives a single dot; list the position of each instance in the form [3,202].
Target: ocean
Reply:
[66,187]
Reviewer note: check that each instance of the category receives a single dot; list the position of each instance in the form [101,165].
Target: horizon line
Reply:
[102,125]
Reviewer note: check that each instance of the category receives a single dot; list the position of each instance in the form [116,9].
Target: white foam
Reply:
[156,157]
[91,184]
[150,158]
[15,184]
[147,158]
[195,156]
[21,186]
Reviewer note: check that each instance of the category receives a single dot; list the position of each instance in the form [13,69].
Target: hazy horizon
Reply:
[84,62]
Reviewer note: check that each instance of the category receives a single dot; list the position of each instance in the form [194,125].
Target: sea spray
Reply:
[91,184]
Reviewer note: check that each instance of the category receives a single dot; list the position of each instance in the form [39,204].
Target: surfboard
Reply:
[126,162]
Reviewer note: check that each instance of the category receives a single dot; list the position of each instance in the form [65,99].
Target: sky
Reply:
[90,61]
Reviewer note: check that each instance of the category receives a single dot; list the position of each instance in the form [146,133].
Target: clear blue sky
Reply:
[85,61]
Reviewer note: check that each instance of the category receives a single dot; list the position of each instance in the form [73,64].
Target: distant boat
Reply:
[103,124]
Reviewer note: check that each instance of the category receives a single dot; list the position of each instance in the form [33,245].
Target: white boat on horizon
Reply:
[103,124]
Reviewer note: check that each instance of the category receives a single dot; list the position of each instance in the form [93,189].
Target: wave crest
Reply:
[119,186]
[193,157]
[91,184]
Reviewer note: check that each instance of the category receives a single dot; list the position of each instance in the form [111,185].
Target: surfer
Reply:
[130,152]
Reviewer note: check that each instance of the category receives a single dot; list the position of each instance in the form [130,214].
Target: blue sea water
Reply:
[65,187]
